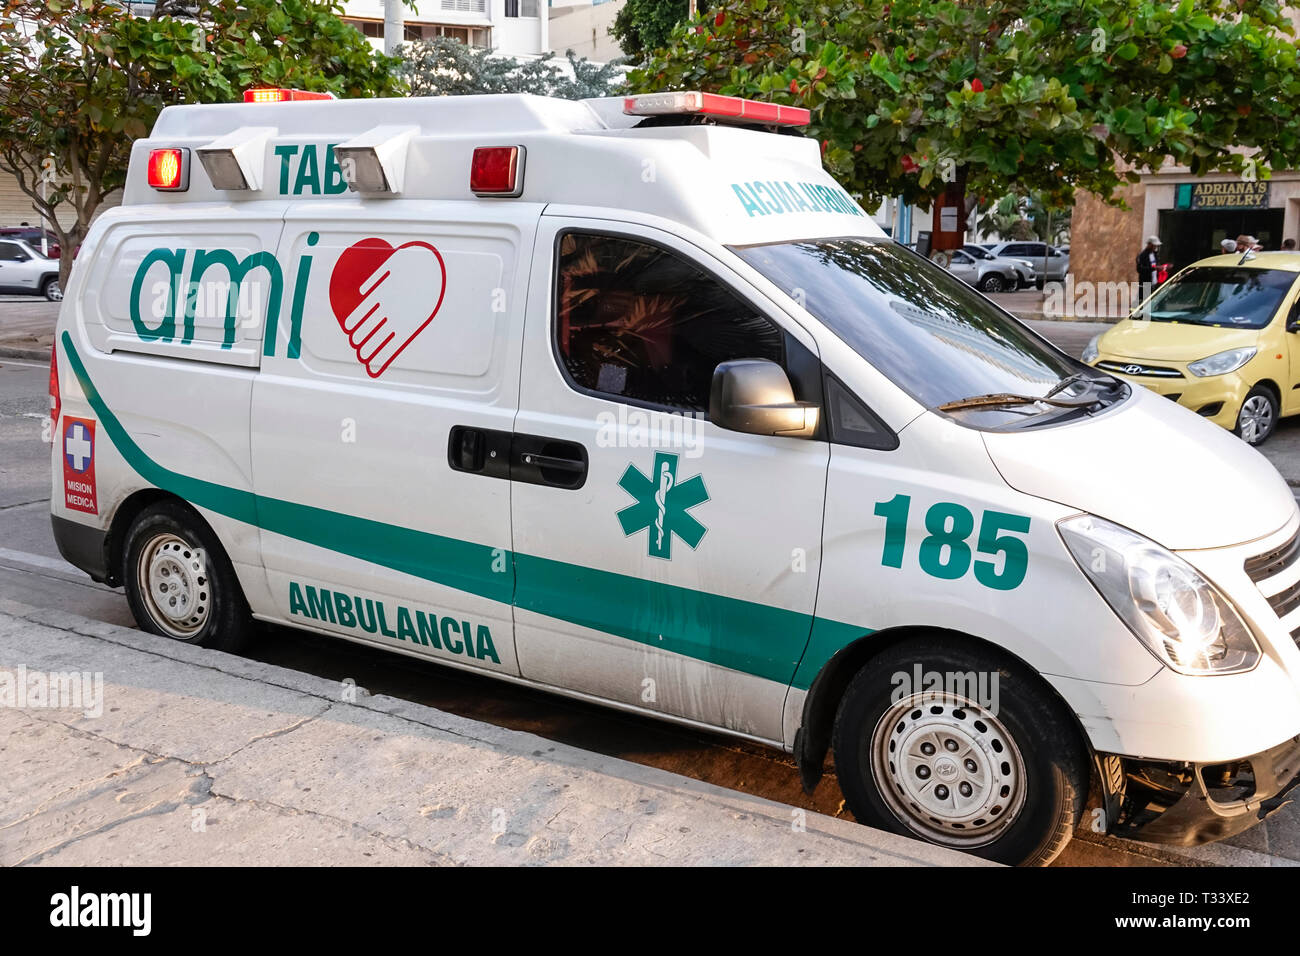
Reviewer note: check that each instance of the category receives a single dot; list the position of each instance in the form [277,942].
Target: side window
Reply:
[637,322]
[9,252]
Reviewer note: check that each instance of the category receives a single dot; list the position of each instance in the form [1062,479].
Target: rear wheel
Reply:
[990,764]
[993,282]
[51,289]
[1258,416]
[179,582]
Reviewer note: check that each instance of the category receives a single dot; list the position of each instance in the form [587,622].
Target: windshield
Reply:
[1221,296]
[927,331]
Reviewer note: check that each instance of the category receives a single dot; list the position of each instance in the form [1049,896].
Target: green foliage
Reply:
[646,25]
[447,67]
[82,79]
[1031,96]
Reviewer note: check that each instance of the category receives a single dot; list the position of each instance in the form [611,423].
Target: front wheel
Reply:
[179,581]
[1258,416]
[993,283]
[979,758]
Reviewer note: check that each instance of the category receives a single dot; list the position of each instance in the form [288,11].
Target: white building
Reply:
[511,27]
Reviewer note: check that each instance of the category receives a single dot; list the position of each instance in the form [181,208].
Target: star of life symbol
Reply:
[77,447]
[662,503]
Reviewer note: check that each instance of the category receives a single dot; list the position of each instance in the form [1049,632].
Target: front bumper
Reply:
[1188,804]
[1216,397]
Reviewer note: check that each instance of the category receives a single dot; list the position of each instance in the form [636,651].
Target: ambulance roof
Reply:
[736,185]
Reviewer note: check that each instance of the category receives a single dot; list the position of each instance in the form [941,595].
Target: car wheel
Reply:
[179,581]
[1258,416]
[993,282]
[993,767]
[51,289]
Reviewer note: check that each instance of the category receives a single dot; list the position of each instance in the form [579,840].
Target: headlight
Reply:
[1223,362]
[1166,602]
[1090,350]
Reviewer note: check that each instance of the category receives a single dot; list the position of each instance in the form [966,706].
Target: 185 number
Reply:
[946,553]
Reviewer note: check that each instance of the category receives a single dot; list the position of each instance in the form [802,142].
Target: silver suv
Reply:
[985,272]
[24,270]
[1058,262]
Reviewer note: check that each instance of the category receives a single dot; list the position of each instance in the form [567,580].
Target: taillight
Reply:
[169,169]
[277,95]
[56,404]
[497,171]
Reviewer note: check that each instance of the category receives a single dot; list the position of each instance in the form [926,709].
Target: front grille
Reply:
[1138,369]
[1286,601]
[1269,563]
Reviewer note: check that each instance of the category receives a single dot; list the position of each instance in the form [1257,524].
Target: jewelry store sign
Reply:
[1235,194]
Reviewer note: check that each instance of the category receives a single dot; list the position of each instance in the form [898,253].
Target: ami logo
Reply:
[382,296]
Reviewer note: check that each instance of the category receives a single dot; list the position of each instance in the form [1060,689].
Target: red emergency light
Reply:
[271,94]
[726,108]
[497,171]
[169,169]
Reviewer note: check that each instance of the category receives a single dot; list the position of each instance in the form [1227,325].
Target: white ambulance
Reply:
[629,400]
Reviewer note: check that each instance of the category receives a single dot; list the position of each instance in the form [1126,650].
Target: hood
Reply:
[1171,341]
[1152,466]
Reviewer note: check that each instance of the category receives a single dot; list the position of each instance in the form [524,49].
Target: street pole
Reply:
[394,25]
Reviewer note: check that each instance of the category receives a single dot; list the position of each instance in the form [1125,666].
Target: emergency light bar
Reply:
[725,108]
[277,95]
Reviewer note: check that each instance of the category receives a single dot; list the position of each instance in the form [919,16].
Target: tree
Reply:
[82,79]
[445,66]
[646,25]
[1027,96]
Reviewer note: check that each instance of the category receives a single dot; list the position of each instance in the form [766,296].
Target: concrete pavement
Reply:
[194,756]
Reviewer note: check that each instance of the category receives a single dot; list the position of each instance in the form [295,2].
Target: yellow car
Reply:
[1220,337]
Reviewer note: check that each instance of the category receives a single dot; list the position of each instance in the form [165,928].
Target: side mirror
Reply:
[754,396]
[1293,319]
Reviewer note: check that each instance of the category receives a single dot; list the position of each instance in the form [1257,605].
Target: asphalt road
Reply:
[31,571]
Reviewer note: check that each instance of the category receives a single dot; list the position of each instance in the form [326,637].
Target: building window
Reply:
[521,8]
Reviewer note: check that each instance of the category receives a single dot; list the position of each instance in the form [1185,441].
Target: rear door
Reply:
[663,563]
[402,333]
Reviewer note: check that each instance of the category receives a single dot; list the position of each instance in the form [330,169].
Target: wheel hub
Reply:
[1256,418]
[948,769]
[177,588]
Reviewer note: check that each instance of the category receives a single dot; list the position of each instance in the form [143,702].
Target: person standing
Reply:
[1288,245]
[1148,266]
[1227,247]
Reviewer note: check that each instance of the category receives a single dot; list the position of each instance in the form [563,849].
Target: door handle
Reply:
[538,460]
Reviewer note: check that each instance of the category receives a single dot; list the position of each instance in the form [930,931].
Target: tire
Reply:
[1258,416]
[1017,772]
[51,289]
[993,282]
[179,581]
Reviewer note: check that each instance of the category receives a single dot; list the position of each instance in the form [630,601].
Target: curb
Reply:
[40,354]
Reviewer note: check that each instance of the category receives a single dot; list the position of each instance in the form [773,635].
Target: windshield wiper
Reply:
[1005,398]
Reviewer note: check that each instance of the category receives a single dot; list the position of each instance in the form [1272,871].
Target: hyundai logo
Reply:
[1132,369]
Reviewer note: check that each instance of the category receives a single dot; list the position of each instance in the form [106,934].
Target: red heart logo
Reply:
[381,309]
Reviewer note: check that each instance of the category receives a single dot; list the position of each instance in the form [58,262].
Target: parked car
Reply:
[1058,262]
[1024,268]
[32,237]
[1219,339]
[992,274]
[24,270]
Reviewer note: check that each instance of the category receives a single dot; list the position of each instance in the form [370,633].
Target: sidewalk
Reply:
[204,757]
[27,326]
